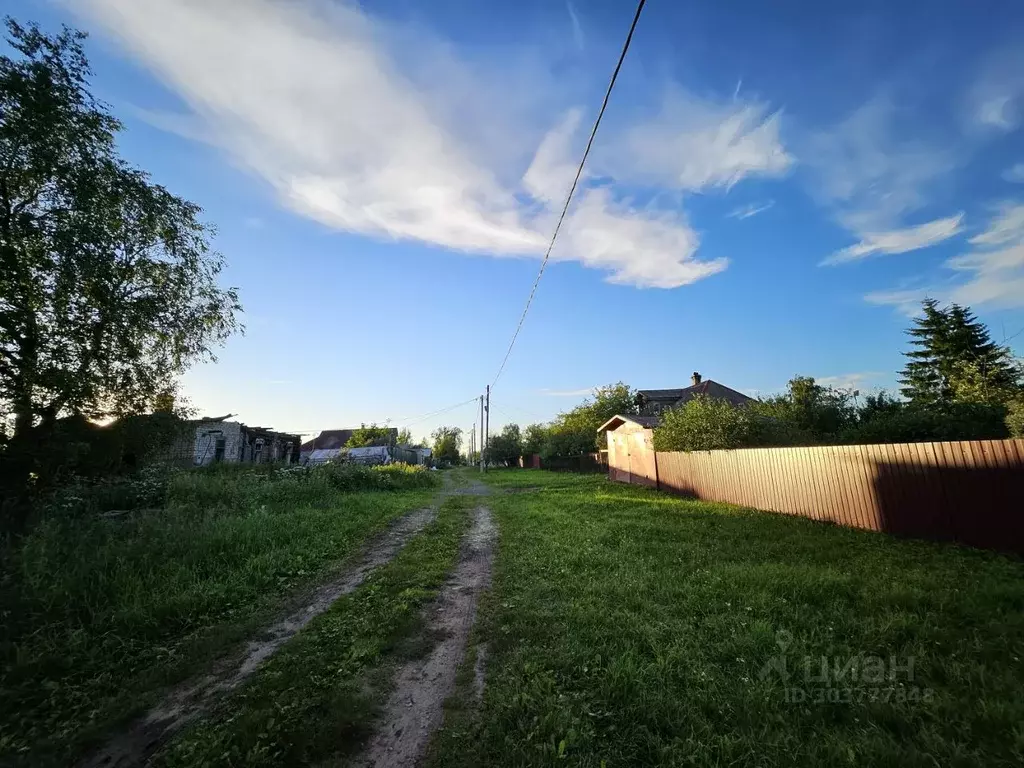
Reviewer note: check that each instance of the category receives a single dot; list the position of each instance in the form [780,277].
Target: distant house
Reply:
[653,402]
[217,440]
[330,443]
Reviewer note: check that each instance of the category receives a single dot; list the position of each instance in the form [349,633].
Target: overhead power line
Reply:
[572,190]
[417,419]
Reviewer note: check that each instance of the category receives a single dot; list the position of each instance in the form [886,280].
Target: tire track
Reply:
[415,709]
[194,697]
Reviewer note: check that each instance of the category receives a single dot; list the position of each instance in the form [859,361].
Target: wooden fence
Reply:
[968,492]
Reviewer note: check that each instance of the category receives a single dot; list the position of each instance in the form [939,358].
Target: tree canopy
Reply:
[574,432]
[108,285]
[368,435]
[953,359]
[447,441]
[507,447]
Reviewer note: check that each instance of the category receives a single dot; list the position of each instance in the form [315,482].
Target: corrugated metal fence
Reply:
[595,463]
[968,492]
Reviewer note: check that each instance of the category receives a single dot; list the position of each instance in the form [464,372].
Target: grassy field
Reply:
[315,701]
[99,613]
[627,627]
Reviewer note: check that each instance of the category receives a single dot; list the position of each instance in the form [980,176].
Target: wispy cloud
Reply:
[577,30]
[899,240]
[694,144]
[333,109]
[1015,173]
[906,300]
[872,177]
[849,380]
[871,174]
[746,211]
[995,101]
[990,274]
[567,392]
[996,265]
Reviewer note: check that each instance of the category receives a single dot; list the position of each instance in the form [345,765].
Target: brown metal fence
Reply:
[586,463]
[968,492]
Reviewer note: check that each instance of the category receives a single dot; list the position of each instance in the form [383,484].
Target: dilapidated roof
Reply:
[337,438]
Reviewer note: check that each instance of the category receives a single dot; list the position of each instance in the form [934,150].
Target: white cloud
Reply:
[1015,173]
[872,178]
[899,240]
[551,173]
[996,265]
[908,301]
[660,246]
[567,392]
[869,173]
[577,30]
[694,144]
[990,274]
[996,99]
[369,138]
[849,380]
[746,211]
[1007,226]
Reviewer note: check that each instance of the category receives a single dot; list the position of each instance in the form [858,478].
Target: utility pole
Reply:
[481,431]
[487,420]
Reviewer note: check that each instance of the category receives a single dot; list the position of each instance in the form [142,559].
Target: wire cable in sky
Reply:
[572,190]
[417,419]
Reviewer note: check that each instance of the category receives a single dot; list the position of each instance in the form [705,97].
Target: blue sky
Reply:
[774,186]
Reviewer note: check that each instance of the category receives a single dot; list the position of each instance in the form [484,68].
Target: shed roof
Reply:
[647,422]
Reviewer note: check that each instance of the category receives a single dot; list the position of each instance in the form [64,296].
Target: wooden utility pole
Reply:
[487,422]
[481,431]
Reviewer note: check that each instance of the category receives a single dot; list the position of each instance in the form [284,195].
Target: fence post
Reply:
[657,474]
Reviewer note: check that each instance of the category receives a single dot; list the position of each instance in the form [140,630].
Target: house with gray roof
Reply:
[653,402]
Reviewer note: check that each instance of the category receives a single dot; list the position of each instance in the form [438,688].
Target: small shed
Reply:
[631,449]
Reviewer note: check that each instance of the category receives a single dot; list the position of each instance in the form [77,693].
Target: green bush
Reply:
[913,424]
[707,424]
[1015,417]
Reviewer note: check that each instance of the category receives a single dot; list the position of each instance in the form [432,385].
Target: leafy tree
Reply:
[534,437]
[447,441]
[706,423]
[955,360]
[575,431]
[703,424]
[369,435]
[1015,417]
[405,436]
[507,447]
[107,281]
[817,411]
[908,423]
[974,382]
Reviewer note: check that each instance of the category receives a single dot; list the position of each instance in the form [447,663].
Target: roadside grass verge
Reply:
[100,613]
[315,700]
[628,627]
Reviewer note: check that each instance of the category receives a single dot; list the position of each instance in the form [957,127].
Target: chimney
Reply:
[696,378]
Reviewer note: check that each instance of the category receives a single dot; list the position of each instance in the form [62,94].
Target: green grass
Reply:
[98,614]
[627,627]
[315,699]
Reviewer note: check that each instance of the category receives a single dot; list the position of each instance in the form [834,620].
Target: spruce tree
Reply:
[922,378]
[954,359]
